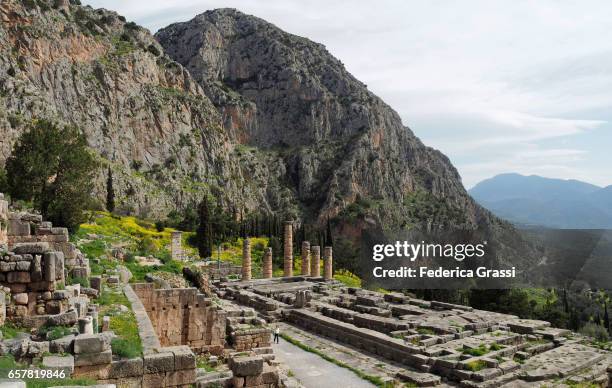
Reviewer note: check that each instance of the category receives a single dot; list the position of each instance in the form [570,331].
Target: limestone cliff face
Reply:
[142,113]
[278,91]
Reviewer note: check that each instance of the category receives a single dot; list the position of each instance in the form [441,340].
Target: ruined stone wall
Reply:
[374,341]
[31,271]
[183,316]
[30,228]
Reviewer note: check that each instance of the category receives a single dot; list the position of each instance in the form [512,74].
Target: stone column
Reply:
[315,264]
[267,264]
[305,258]
[246,259]
[288,248]
[176,247]
[328,273]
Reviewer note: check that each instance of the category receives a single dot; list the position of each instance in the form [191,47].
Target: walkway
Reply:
[315,372]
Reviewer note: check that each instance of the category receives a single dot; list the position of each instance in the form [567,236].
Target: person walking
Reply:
[276,335]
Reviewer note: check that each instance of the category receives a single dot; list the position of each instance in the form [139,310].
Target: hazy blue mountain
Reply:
[535,200]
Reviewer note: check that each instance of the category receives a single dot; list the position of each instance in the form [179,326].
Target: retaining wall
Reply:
[183,316]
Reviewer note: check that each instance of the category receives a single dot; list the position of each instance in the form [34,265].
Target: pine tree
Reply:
[606,316]
[54,168]
[110,192]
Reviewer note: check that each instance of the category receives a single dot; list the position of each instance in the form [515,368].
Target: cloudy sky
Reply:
[504,86]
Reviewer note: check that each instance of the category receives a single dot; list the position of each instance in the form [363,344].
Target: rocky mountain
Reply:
[555,203]
[230,105]
[288,97]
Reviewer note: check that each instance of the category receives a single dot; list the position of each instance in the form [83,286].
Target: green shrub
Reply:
[495,346]
[9,330]
[476,365]
[56,332]
[128,343]
[84,282]
[124,348]
[481,350]
[599,333]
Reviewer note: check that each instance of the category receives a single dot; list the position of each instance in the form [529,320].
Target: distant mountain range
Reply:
[556,203]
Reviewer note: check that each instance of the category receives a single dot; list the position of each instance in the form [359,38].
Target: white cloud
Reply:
[482,81]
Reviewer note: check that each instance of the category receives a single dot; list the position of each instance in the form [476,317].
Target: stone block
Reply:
[79,272]
[21,298]
[154,379]
[127,368]
[95,372]
[59,266]
[67,318]
[183,357]
[18,228]
[104,357]
[32,248]
[11,383]
[6,266]
[18,277]
[53,307]
[23,266]
[65,363]
[48,263]
[159,362]
[180,378]
[17,288]
[62,345]
[90,343]
[96,282]
[61,294]
[92,292]
[246,366]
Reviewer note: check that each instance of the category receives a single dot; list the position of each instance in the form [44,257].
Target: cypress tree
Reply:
[110,192]
[204,231]
[329,241]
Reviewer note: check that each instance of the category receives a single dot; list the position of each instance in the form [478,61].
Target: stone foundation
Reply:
[182,316]
[248,332]
[159,366]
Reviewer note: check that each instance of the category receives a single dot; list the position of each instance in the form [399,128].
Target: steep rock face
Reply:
[142,112]
[346,153]
[279,91]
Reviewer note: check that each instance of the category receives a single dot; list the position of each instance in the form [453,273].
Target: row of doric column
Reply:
[311,258]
